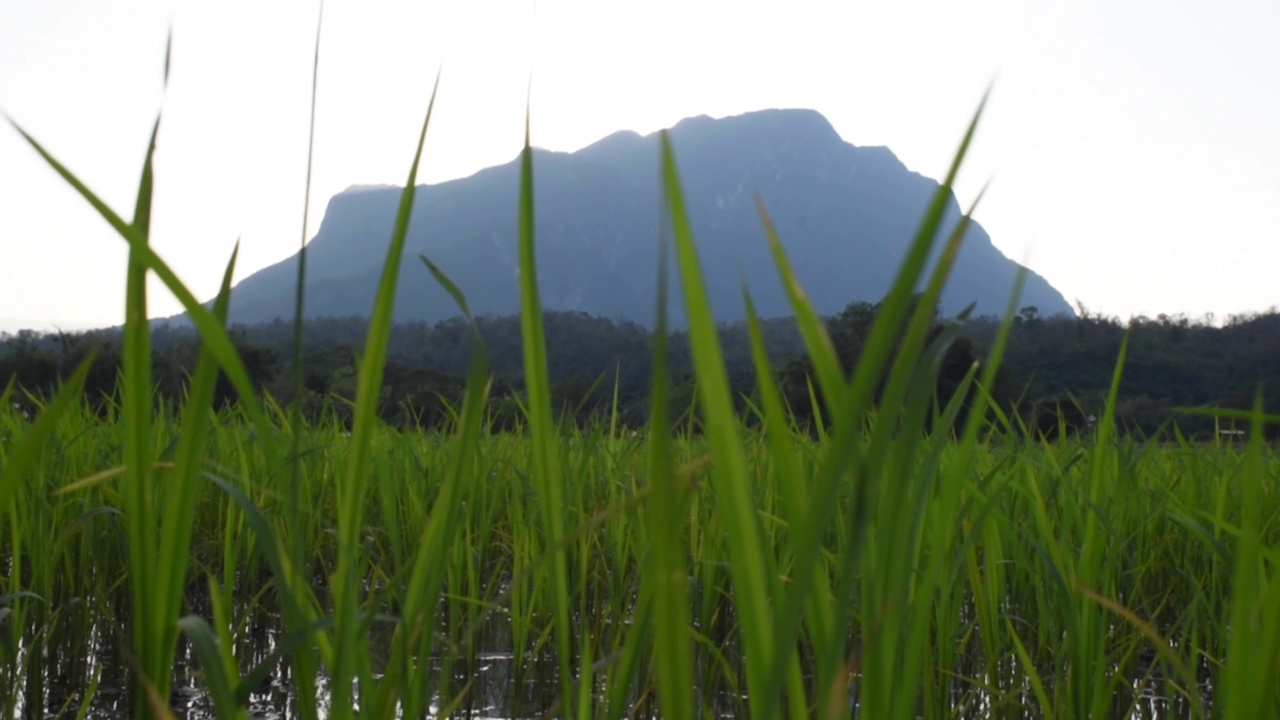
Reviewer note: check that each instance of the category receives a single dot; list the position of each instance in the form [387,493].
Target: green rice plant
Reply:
[213,648]
[665,574]
[953,514]
[1089,638]
[304,665]
[996,551]
[1253,654]
[845,453]
[789,481]
[347,662]
[153,640]
[181,488]
[754,587]
[405,683]
[548,477]
[29,605]
[894,637]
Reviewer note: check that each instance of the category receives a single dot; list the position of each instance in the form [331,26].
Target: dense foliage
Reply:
[1053,366]
[1172,510]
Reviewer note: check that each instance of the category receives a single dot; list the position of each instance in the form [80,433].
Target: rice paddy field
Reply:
[904,560]
[974,592]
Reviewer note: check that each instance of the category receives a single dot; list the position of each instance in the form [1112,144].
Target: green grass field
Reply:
[704,570]
[979,597]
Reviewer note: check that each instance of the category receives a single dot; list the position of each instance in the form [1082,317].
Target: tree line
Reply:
[1055,374]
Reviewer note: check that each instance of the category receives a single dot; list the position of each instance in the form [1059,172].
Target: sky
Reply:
[1132,148]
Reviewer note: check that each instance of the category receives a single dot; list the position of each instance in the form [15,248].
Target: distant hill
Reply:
[845,214]
[10,325]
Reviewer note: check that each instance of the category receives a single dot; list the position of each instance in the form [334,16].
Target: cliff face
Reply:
[846,215]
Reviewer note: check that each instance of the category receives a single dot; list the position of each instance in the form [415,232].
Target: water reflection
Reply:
[482,683]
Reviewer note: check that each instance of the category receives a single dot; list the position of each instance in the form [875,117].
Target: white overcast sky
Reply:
[1133,146]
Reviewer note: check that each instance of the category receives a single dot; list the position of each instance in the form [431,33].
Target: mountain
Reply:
[845,215]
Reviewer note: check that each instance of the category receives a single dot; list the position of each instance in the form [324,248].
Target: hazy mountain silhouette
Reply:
[845,215]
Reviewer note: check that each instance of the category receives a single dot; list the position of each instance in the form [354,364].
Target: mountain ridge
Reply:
[845,214]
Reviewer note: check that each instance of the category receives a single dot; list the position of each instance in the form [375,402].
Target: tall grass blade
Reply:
[139,495]
[1248,681]
[212,333]
[548,477]
[178,503]
[221,687]
[301,286]
[821,352]
[666,575]
[753,590]
[792,486]
[304,665]
[406,680]
[893,642]
[1089,676]
[351,493]
[844,454]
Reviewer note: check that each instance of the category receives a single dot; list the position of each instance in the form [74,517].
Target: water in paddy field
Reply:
[482,686]
[480,683]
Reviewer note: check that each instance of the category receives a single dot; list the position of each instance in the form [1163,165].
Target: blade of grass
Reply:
[351,492]
[221,687]
[748,559]
[140,497]
[821,352]
[138,493]
[304,665]
[222,630]
[619,690]
[177,516]
[414,632]
[300,287]
[947,532]
[211,331]
[1247,680]
[1158,642]
[548,477]
[894,641]
[666,574]
[1088,676]
[844,452]
[1033,676]
[792,487]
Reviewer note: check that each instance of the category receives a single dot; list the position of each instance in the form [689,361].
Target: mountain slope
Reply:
[845,214]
